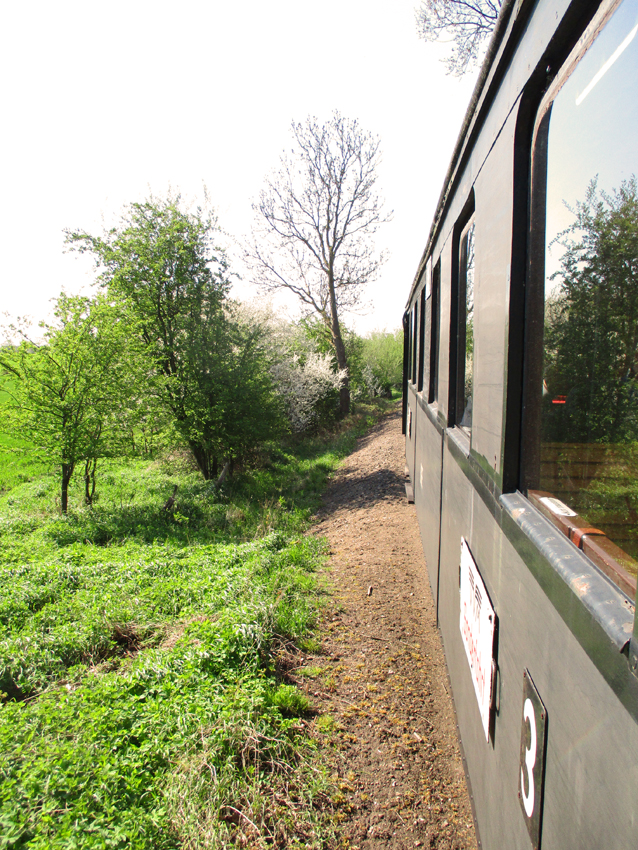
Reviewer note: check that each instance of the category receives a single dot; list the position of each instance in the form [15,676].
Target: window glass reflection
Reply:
[424,337]
[415,340]
[434,334]
[466,325]
[589,450]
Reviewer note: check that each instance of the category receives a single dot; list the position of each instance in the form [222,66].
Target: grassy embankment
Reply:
[142,704]
[17,463]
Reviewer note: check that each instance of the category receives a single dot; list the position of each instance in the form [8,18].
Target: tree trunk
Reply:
[206,462]
[340,349]
[225,472]
[67,472]
[89,480]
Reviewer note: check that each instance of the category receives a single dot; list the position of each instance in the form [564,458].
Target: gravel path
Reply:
[384,680]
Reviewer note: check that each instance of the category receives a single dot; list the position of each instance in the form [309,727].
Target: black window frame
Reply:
[410,344]
[435,324]
[538,124]
[414,323]
[457,323]
[421,357]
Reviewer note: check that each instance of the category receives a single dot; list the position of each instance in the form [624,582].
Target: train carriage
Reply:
[521,426]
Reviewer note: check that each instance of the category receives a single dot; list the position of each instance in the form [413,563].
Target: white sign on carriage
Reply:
[477,631]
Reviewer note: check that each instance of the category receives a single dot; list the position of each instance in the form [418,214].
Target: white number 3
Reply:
[530,759]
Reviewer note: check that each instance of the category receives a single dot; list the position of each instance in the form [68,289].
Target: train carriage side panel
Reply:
[411,423]
[559,618]
[416,353]
[493,222]
[445,258]
[588,796]
[427,486]
[490,773]
[591,766]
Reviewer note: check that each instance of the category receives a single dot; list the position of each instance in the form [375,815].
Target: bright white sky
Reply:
[102,103]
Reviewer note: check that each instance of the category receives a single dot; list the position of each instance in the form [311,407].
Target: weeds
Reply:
[143,707]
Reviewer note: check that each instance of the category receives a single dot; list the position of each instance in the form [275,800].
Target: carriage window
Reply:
[423,303]
[410,336]
[465,355]
[588,420]
[434,335]
[415,340]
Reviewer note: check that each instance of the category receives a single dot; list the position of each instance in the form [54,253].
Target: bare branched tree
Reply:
[465,23]
[314,221]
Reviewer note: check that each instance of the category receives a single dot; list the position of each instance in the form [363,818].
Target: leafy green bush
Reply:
[383,355]
[142,707]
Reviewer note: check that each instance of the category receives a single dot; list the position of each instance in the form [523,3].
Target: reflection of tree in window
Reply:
[466,324]
[589,406]
[590,388]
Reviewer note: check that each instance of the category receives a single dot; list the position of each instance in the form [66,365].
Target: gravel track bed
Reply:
[397,761]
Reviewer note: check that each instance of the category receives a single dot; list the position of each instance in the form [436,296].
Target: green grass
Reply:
[142,706]
[142,665]
[18,461]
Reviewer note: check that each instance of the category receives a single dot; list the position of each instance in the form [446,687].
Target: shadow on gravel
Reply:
[353,491]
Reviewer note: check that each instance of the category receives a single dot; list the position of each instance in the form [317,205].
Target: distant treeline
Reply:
[161,354]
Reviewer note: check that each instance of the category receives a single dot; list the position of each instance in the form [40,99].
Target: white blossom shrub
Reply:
[305,379]
[370,386]
[304,384]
